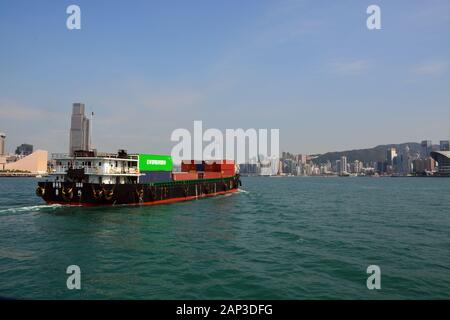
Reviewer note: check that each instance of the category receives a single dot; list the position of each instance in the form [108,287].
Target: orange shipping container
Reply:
[180,176]
[217,166]
[228,173]
[212,175]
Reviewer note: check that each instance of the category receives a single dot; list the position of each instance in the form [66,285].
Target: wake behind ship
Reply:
[87,179]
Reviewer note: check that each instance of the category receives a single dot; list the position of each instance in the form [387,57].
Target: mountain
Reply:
[377,153]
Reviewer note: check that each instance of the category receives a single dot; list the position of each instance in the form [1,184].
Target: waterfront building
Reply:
[302,158]
[403,162]
[391,154]
[423,166]
[79,129]
[2,143]
[443,160]
[356,167]
[426,148]
[380,166]
[444,145]
[24,149]
[249,168]
[35,163]
[269,167]
[343,165]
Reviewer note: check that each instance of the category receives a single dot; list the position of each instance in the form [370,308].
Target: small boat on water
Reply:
[88,179]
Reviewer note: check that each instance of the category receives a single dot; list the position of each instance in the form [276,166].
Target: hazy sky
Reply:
[310,68]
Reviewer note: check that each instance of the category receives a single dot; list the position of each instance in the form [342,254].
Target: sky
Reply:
[311,69]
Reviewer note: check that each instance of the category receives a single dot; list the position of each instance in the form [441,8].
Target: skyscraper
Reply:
[444,145]
[2,143]
[79,129]
[426,148]
[390,155]
[343,165]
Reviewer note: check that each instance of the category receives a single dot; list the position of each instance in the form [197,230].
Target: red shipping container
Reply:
[212,175]
[228,173]
[220,161]
[187,165]
[219,165]
[191,166]
[226,166]
[180,176]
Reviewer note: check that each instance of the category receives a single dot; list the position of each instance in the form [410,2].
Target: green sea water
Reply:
[279,238]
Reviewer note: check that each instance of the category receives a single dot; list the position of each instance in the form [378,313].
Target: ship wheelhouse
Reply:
[85,167]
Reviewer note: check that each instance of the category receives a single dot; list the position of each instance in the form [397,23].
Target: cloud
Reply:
[12,110]
[350,67]
[432,68]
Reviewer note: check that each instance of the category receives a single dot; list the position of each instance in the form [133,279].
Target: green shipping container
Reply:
[154,162]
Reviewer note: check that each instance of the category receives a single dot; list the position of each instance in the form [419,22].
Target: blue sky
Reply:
[310,68]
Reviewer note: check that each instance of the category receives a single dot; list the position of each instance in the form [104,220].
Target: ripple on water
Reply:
[293,238]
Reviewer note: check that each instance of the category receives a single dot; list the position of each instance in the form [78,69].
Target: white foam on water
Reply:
[31,208]
[242,191]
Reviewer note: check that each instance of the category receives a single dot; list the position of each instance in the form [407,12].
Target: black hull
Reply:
[92,194]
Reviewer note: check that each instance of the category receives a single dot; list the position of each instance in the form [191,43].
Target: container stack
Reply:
[155,168]
[208,169]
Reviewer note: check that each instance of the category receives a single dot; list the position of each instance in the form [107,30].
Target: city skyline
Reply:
[315,72]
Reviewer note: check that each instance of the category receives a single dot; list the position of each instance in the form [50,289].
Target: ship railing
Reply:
[95,170]
[56,156]
[121,171]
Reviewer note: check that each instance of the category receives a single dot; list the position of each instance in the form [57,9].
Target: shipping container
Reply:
[180,176]
[188,165]
[154,162]
[212,175]
[219,161]
[228,173]
[155,176]
[192,166]
[218,166]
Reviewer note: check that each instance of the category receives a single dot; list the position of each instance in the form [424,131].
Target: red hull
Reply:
[86,204]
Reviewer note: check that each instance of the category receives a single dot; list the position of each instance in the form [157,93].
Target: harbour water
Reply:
[279,238]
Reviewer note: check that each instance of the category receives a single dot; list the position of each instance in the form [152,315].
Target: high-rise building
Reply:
[356,167]
[301,158]
[444,145]
[403,162]
[24,149]
[79,129]
[390,156]
[2,143]
[343,165]
[426,148]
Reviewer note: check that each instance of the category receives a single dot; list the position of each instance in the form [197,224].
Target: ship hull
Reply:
[91,194]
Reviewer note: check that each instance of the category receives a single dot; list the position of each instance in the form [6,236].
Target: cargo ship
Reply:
[90,179]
